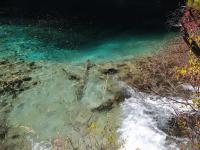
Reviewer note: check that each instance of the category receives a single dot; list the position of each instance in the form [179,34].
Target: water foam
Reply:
[143,116]
[40,145]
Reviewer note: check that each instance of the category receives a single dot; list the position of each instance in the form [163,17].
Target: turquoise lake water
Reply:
[50,44]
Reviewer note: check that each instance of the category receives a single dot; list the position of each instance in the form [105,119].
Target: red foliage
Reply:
[188,21]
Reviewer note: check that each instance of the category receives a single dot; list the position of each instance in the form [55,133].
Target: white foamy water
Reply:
[43,145]
[143,115]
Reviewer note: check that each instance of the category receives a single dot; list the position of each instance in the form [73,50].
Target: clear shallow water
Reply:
[52,108]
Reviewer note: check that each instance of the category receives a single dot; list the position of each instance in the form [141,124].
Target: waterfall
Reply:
[143,117]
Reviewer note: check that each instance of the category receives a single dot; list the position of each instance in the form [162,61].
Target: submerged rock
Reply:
[14,141]
[110,71]
[106,106]
[71,76]
[14,79]
[14,84]
[4,62]
[17,79]
[27,78]
[111,103]
[89,65]
[3,126]
[32,64]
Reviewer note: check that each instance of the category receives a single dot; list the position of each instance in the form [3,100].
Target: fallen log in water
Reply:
[83,83]
[111,103]
[82,80]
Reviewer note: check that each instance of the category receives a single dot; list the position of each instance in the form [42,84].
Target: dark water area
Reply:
[126,13]
[90,25]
